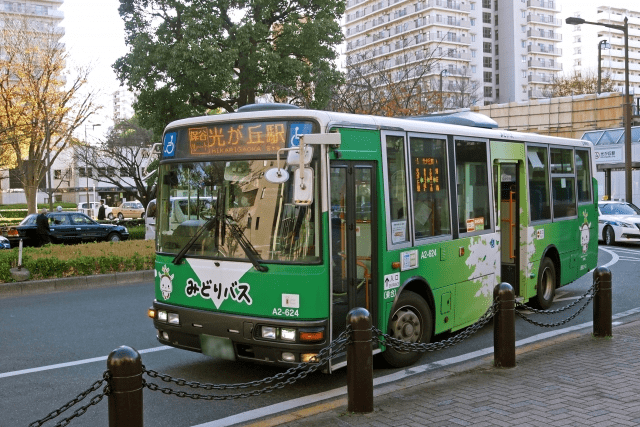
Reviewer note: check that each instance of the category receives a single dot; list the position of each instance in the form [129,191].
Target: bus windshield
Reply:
[244,215]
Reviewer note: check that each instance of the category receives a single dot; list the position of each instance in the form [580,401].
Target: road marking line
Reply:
[77,362]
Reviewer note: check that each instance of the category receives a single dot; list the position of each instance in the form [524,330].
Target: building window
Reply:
[486,47]
[488,77]
[473,22]
[486,4]
[486,32]
[486,17]
[488,91]
[57,174]
[487,62]
[473,37]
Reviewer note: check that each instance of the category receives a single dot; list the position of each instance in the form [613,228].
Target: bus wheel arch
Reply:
[411,320]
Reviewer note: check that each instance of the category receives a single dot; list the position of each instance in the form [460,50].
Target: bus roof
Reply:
[330,119]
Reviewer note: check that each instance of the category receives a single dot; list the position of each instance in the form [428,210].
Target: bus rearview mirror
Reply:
[303,187]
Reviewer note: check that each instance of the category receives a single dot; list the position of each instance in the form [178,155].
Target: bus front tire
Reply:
[411,321]
[609,236]
[546,284]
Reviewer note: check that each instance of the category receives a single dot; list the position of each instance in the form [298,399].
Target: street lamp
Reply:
[86,169]
[444,73]
[626,104]
[606,46]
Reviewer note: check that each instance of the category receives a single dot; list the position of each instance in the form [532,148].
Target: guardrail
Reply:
[125,372]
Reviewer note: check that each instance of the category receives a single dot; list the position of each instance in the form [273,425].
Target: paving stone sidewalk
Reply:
[577,381]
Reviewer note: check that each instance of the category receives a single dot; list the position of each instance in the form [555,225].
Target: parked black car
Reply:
[66,227]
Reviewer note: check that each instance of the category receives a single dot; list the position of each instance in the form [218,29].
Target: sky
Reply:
[94,36]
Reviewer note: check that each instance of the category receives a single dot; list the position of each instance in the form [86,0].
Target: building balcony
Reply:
[542,34]
[536,94]
[544,50]
[542,79]
[547,20]
[542,4]
[547,65]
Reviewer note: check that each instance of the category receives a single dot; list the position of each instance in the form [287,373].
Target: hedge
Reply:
[52,261]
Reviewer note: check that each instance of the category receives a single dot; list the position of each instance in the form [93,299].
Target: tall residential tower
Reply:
[507,48]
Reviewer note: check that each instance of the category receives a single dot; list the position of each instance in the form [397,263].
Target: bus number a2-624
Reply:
[287,312]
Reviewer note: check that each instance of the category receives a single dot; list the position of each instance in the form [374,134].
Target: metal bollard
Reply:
[602,319]
[360,362]
[125,398]
[504,327]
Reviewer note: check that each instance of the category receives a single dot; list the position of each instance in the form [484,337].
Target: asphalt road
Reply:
[78,329]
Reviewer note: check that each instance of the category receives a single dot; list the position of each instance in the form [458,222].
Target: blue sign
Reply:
[297,129]
[169,149]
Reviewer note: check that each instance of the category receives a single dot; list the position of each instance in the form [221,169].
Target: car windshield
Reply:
[246,215]
[619,209]
[29,220]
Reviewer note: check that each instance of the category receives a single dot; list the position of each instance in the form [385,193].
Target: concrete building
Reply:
[123,104]
[42,12]
[508,47]
[581,44]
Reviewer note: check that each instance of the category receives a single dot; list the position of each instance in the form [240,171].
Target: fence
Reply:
[124,380]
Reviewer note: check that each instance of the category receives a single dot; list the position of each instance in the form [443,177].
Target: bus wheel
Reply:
[546,284]
[412,322]
[609,236]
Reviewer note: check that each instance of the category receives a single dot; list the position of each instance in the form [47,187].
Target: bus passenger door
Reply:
[510,225]
[353,236]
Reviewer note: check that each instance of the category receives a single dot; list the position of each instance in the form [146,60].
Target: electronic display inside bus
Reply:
[235,139]
[427,174]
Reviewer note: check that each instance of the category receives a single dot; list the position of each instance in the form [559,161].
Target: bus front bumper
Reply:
[237,337]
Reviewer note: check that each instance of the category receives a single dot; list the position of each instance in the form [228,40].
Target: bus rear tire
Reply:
[546,284]
[411,321]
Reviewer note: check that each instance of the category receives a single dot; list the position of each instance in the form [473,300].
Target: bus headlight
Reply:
[269,332]
[162,316]
[287,334]
[173,318]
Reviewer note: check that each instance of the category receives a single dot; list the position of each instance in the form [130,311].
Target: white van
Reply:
[177,215]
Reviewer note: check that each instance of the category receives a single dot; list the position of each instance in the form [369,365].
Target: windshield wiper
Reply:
[246,245]
[207,226]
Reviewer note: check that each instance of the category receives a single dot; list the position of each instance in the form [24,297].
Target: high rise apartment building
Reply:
[505,49]
[123,104]
[42,14]
[582,43]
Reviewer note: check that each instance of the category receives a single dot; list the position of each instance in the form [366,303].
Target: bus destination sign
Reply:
[237,139]
[427,173]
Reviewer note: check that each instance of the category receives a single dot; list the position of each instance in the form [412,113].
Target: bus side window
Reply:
[583,173]
[397,185]
[473,186]
[429,177]
[538,177]
[563,182]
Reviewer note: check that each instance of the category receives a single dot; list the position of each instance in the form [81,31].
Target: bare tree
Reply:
[462,92]
[41,104]
[123,160]
[580,84]
[404,82]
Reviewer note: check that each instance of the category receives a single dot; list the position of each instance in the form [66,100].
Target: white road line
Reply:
[75,363]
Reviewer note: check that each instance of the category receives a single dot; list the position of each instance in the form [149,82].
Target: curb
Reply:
[46,286]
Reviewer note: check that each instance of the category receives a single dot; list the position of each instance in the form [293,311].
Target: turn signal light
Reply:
[13,233]
[311,336]
[151,313]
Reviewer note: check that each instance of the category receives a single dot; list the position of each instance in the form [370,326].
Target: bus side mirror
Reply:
[303,187]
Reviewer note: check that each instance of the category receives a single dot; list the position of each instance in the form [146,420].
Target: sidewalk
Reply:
[572,380]
[31,287]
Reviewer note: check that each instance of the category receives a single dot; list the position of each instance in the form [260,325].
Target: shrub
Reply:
[85,259]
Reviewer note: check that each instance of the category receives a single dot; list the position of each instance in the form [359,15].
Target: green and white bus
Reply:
[314,213]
